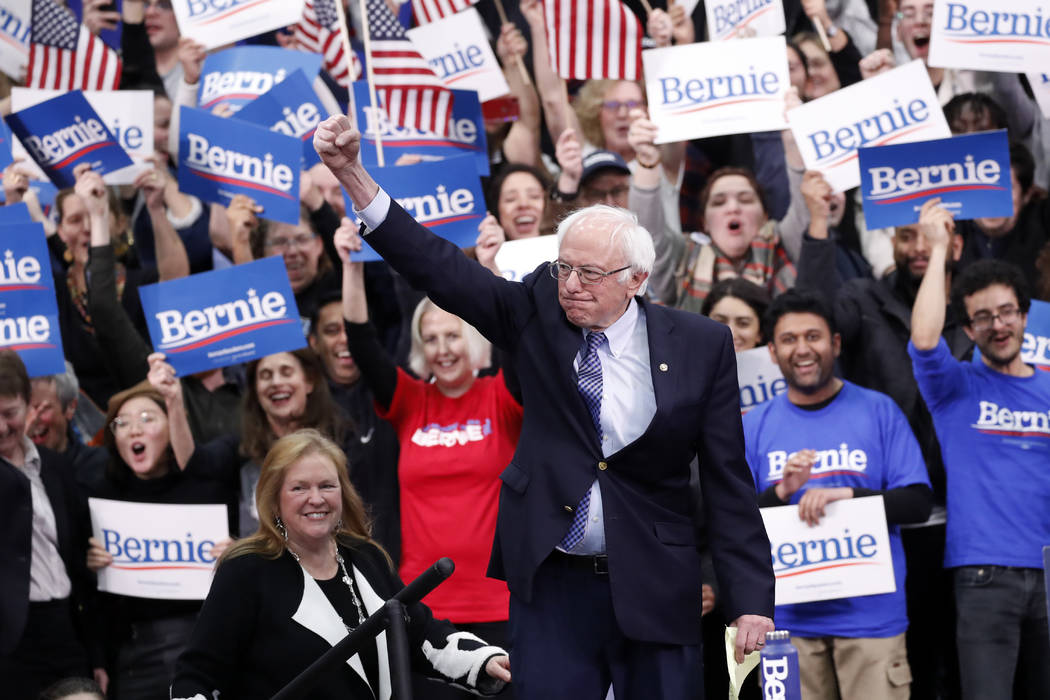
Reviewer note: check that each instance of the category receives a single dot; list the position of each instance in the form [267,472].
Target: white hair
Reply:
[478,347]
[624,229]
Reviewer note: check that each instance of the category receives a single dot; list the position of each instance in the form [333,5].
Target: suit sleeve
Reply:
[461,286]
[736,533]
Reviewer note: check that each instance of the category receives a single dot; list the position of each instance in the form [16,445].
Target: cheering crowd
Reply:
[874,331]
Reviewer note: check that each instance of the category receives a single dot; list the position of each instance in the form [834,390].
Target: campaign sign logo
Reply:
[237,76]
[14,38]
[63,132]
[1008,36]
[445,197]
[219,158]
[898,106]
[727,19]
[457,49]
[28,312]
[466,132]
[715,88]
[847,554]
[160,550]
[291,107]
[223,317]
[970,173]
[760,378]
[217,22]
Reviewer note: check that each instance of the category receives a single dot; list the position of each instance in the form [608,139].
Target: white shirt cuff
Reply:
[375,213]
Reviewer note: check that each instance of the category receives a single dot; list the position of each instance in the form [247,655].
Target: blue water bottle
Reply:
[779,663]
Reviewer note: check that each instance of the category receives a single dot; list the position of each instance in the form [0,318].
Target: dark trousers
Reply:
[494,633]
[146,661]
[567,644]
[48,651]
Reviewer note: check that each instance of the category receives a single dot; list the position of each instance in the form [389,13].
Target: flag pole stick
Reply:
[371,81]
[517,59]
[344,37]
[819,26]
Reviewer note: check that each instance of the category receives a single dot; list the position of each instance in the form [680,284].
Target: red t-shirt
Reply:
[452,453]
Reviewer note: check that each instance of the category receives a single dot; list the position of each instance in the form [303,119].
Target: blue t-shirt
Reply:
[863,440]
[994,430]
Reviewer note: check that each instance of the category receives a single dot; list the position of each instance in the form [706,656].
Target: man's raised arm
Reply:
[927,316]
[338,144]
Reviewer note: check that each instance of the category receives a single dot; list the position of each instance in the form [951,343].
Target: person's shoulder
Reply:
[871,399]
[760,413]
[688,320]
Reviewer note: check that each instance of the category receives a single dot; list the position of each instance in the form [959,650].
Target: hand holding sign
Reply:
[936,223]
[92,191]
[796,473]
[162,377]
[817,193]
[876,62]
[641,136]
[682,29]
[490,238]
[98,17]
[191,55]
[97,556]
[347,241]
[569,155]
[811,505]
[242,219]
[16,182]
[660,27]
[511,44]
[151,184]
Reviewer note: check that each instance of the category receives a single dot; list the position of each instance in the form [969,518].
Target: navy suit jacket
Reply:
[654,565]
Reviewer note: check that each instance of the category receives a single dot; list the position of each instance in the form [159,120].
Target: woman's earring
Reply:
[280,527]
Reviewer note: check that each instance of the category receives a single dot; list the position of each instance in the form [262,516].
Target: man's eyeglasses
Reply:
[588,275]
[617,105]
[983,320]
[122,424]
[282,243]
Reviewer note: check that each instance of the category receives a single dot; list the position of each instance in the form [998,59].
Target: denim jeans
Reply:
[1002,632]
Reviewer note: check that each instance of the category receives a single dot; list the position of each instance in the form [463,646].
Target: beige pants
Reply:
[840,668]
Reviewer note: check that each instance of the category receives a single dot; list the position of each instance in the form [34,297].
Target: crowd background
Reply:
[736,222]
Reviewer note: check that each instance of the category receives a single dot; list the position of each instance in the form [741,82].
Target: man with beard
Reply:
[873,317]
[995,412]
[853,648]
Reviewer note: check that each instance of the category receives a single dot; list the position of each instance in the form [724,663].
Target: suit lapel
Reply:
[663,361]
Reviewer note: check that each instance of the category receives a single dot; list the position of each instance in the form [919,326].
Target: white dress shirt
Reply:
[48,579]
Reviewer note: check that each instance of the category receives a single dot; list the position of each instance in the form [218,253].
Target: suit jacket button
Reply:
[603,466]
[663,366]
[569,509]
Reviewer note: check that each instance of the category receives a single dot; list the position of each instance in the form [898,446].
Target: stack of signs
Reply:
[970,174]
[220,158]
[1035,349]
[291,107]
[716,88]
[898,106]
[466,132]
[760,378]
[730,19]
[237,76]
[128,114]
[1007,36]
[445,197]
[28,312]
[63,132]
[223,317]
[217,22]
[14,37]
[457,49]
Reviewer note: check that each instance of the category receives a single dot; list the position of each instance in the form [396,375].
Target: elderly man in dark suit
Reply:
[595,534]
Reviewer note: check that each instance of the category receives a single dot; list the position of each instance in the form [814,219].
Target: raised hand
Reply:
[191,55]
[338,144]
[796,473]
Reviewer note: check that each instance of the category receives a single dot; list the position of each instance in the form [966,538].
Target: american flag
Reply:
[593,39]
[411,93]
[319,31]
[427,11]
[63,54]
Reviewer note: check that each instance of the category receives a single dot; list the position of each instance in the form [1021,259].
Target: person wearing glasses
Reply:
[992,420]
[143,637]
[595,532]
[457,431]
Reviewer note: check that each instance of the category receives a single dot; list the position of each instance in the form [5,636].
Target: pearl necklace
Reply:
[345,579]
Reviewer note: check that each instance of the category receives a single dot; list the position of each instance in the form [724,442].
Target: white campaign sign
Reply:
[729,19]
[219,22]
[160,550]
[1007,36]
[846,555]
[1040,83]
[898,106]
[515,259]
[14,37]
[127,113]
[759,377]
[458,51]
[715,88]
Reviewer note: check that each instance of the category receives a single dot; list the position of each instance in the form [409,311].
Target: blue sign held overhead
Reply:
[5,145]
[28,312]
[220,158]
[466,132]
[970,173]
[223,317]
[63,132]
[291,107]
[445,197]
[237,76]
[17,213]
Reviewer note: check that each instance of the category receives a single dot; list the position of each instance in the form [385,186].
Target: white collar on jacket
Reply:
[316,614]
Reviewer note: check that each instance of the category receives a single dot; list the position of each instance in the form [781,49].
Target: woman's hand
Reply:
[490,238]
[499,667]
[16,182]
[162,377]
[242,218]
[191,55]
[97,556]
[347,241]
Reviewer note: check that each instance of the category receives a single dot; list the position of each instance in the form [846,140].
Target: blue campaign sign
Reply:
[220,158]
[63,132]
[970,173]
[1035,349]
[5,145]
[466,132]
[223,317]
[443,196]
[239,75]
[28,312]
[17,213]
[292,108]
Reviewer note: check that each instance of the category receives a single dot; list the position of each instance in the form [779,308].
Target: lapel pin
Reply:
[663,366]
